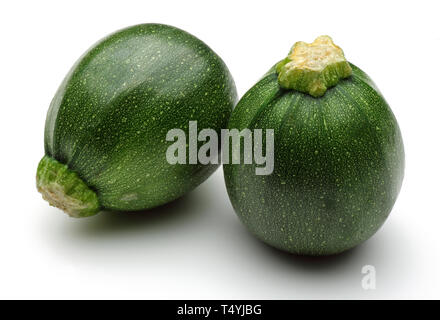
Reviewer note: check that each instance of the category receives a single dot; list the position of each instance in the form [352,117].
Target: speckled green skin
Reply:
[109,118]
[339,164]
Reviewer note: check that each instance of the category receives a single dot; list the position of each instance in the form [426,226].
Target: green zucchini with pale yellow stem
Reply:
[338,154]
[105,134]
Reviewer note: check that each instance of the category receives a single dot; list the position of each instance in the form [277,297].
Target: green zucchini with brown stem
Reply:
[105,135]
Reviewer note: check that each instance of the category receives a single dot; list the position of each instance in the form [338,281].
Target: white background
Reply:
[196,247]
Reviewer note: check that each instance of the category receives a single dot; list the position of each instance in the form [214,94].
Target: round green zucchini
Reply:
[338,154]
[105,134]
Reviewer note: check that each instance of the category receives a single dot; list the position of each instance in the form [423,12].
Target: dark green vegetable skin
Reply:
[339,163]
[109,119]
